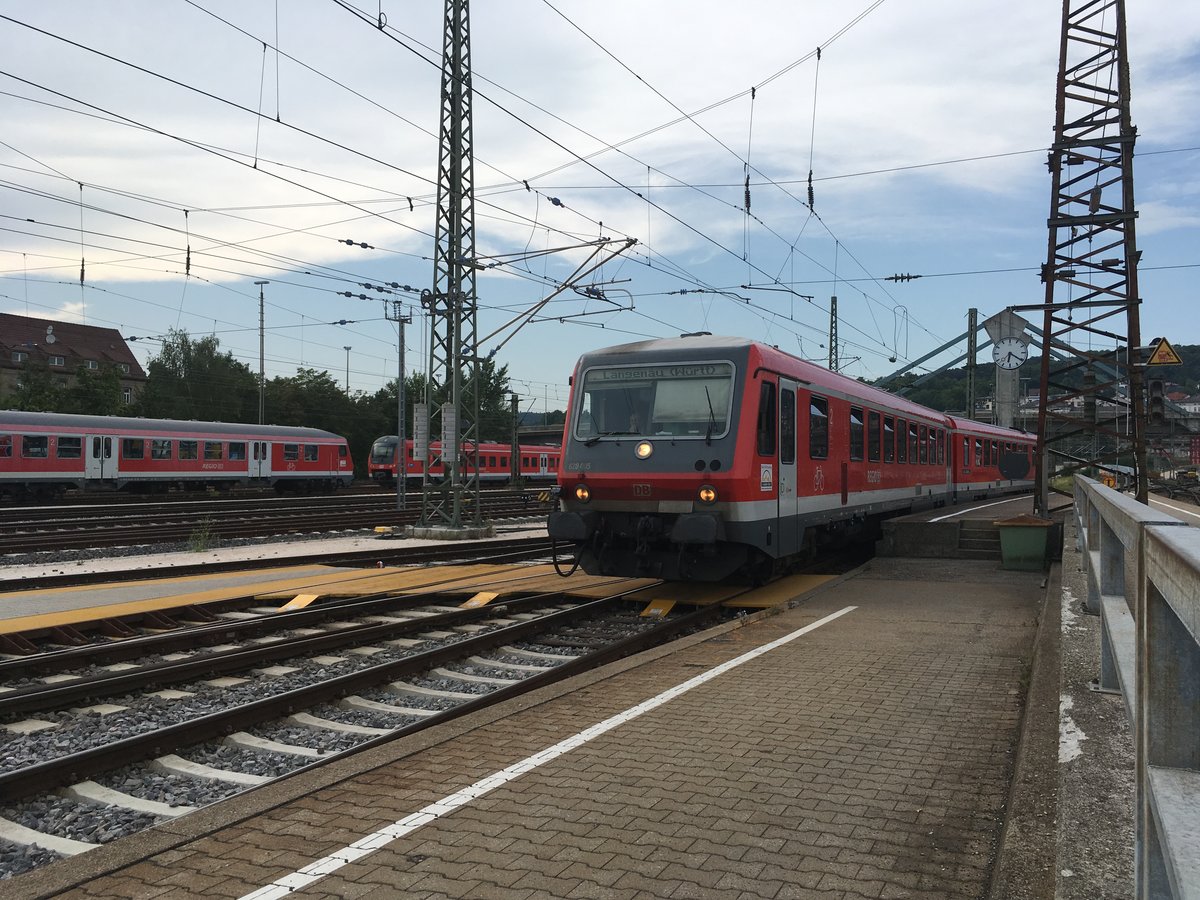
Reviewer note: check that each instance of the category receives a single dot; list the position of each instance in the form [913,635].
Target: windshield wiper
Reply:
[595,437]
[712,418]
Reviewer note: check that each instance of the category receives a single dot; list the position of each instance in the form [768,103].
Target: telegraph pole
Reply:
[395,311]
[262,374]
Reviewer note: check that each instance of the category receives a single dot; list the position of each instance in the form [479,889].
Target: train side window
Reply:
[978,452]
[212,450]
[889,439]
[966,452]
[901,441]
[766,419]
[932,443]
[5,446]
[856,433]
[873,436]
[68,447]
[237,450]
[291,452]
[342,451]
[133,448]
[160,448]
[818,428]
[912,443]
[995,455]
[188,450]
[35,447]
[923,444]
[987,453]
[310,452]
[787,427]
[941,447]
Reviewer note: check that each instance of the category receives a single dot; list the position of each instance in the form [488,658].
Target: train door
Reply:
[789,531]
[101,456]
[543,464]
[260,459]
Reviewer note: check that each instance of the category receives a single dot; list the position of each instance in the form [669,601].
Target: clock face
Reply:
[1010,352]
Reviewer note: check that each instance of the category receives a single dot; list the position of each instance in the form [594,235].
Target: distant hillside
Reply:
[947,391]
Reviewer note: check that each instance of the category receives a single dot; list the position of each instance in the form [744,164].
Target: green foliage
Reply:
[192,379]
[37,391]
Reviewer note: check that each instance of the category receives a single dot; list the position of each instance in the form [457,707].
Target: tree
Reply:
[36,389]
[194,380]
[95,393]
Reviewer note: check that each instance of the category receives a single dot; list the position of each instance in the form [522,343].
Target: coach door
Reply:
[789,531]
[543,464]
[101,456]
[260,459]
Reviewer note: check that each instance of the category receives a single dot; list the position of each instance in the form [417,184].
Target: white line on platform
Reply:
[315,871]
[1178,509]
[973,508]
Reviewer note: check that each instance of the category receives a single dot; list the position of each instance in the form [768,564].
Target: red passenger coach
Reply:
[706,457]
[44,454]
[537,462]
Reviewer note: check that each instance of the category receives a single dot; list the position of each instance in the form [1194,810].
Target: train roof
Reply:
[49,421]
[687,346]
[962,424]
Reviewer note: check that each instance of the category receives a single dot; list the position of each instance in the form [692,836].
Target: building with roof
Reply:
[64,348]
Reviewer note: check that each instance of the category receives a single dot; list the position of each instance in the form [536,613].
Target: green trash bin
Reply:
[1024,542]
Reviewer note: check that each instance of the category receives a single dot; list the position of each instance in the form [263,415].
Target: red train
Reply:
[538,462]
[707,458]
[44,454]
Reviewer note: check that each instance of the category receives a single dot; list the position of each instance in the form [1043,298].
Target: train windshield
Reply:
[681,400]
[384,450]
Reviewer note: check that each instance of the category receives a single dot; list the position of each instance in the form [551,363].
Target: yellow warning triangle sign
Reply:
[1164,355]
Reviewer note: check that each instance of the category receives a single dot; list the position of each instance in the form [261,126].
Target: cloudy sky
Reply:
[266,134]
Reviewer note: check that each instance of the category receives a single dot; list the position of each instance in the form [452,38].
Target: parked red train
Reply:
[44,454]
[538,462]
[707,457]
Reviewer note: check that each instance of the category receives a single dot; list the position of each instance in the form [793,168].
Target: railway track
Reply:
[39,530]
[259,694]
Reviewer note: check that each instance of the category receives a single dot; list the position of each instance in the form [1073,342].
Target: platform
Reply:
[858,743]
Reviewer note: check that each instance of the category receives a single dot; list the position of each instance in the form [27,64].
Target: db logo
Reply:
[641,490]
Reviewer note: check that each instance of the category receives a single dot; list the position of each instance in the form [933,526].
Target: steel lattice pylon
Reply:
[1091,304]
[453,357]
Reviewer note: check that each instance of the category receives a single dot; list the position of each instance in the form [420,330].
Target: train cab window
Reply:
[691,400]
[5,446]
[342,451]
[291,452]
[818,428]
[311,452]
[924,446]
[69,448]
[213,450]
[133,448]
[889,439]
[237,450]
[766,419]
[856,433]
[873,436]
[35,447]
[901,441]
[160,448]
[912,443]
[189,450]
[787,427]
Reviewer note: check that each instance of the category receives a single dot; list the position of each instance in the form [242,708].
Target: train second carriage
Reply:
[494,463]
[709,458]
[44,454]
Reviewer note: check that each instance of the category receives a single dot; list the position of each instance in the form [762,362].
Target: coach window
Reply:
[69,447]
[932,442]
[923,446]
[766,419]
[901,441]
[978,452]
[856,433]
[912,442]
[35,447]
[889,439]
[818,428]
[995,455]
[5,446]
[237,449]
[310,452]
[160,448]
[133,448]
[291,452]
[212,450]
[188,450]
[787,427]
[941,447]
[873,436]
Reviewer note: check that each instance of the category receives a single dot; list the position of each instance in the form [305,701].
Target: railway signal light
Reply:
[1157,407]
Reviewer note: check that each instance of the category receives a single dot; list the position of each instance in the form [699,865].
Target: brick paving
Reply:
[870,758]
